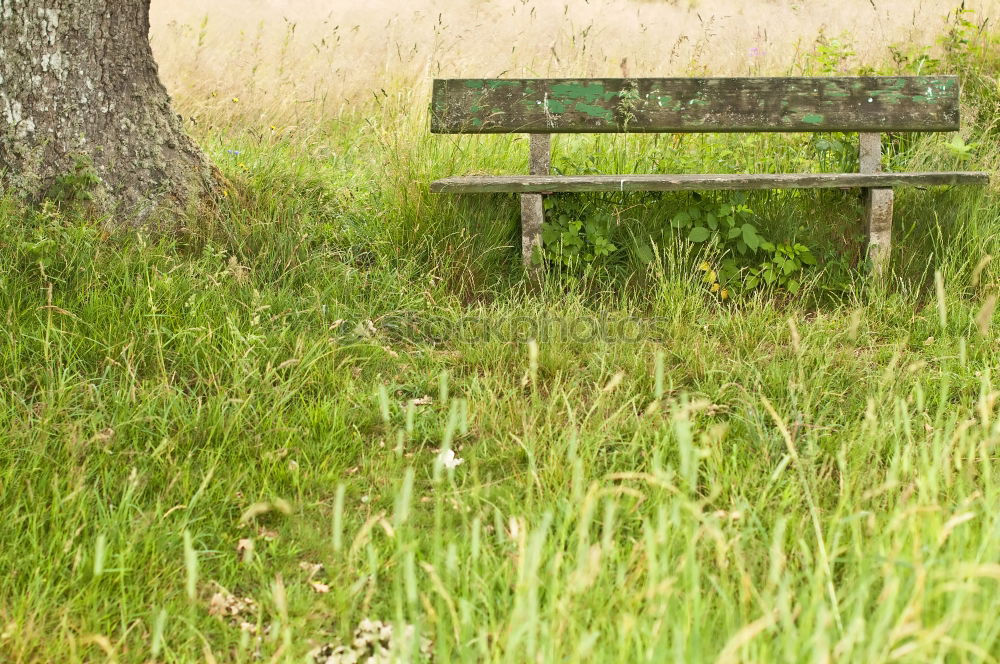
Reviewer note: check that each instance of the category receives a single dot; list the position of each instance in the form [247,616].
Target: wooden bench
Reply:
[869,105]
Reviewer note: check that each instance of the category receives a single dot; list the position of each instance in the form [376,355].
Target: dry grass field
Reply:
[300,58]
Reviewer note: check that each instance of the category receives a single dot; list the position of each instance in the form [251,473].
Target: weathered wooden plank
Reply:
[862,103]
[878,204]
[532,209]
[569,183]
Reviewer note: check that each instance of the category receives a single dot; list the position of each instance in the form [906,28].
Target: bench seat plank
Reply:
[528,184]
[601,105]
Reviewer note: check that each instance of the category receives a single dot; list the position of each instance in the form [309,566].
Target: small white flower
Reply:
[449,460]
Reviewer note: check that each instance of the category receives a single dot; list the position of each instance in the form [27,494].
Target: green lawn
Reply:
[194,421]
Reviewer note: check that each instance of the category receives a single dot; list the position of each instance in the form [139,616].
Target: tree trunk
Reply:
[80,97]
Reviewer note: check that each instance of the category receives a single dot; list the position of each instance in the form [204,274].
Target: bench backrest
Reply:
[612,105]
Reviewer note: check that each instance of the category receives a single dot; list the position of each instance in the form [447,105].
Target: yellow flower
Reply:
[704,267]
[716,287]
[236,100]
[724,294]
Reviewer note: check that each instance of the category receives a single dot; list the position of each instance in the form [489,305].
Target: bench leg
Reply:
[532,209]
[878,203]
[532,216]
[878,219]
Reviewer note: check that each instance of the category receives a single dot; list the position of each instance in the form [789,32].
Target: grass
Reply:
[193,421]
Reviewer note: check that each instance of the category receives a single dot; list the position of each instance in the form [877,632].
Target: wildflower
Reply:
[449,460]
[236,100]
[236,152]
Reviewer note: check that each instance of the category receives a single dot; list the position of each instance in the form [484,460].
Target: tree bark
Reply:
[80,92]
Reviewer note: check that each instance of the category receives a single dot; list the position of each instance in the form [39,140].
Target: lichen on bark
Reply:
[78,81]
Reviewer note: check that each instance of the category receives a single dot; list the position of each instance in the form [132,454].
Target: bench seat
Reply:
[547,184]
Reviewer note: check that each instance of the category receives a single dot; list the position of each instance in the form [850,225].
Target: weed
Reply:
[75,186]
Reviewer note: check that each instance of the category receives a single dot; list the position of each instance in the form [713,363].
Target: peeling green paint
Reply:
[595,111]
[555,106]
[888,96]
[528,104]
[587,92]
[893,94]
[812,118]
[835,91]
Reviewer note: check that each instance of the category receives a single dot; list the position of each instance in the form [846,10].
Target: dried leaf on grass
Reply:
[373,643]
[237,611]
